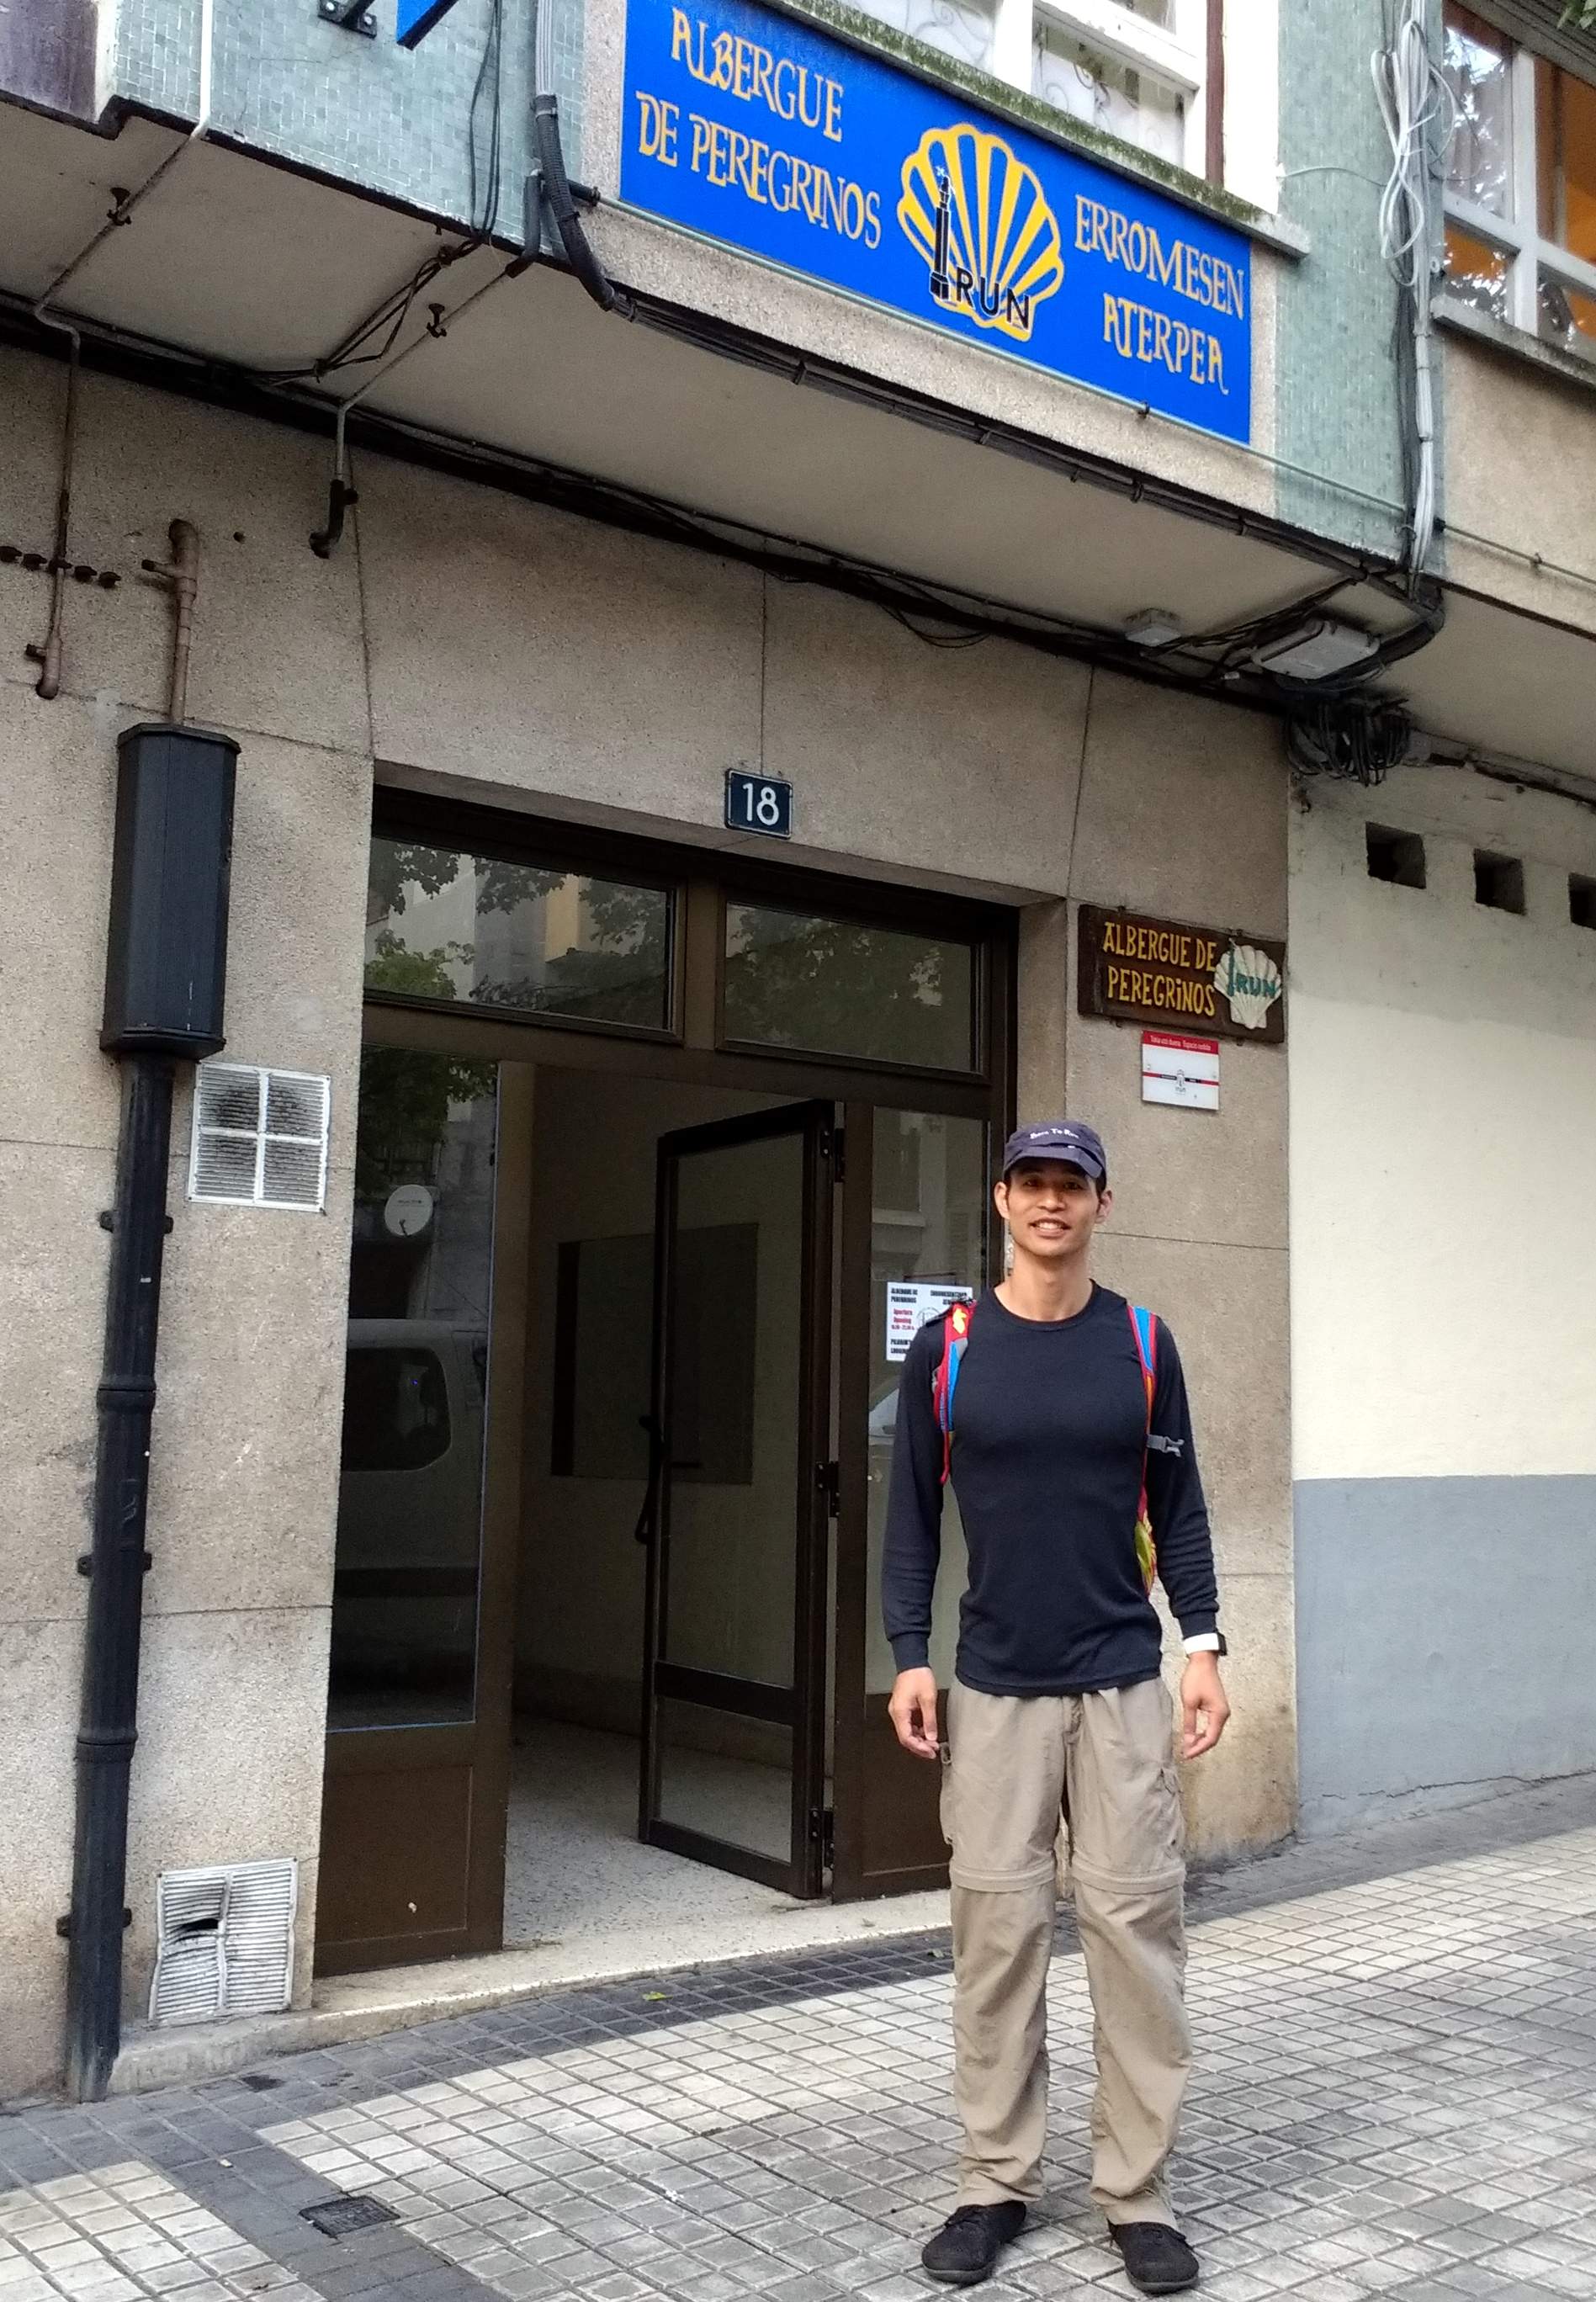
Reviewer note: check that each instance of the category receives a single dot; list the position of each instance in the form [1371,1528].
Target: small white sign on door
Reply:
[909,1304]
[1175,1069]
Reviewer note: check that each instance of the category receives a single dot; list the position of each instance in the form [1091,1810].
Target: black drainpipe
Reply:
[165,975]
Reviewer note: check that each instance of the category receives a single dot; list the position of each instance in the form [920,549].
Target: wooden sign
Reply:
[1136,969]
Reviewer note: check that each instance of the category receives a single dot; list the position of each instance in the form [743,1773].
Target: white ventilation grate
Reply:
[224,1941]
[260,1136]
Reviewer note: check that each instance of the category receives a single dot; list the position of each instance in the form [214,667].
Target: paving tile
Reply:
[1394,2095]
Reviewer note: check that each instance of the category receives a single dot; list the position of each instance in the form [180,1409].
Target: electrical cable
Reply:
[490,70]
[1355,740]
[1413,97]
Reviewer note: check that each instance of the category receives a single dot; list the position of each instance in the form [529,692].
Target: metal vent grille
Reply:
[260,1136]
[224,1941]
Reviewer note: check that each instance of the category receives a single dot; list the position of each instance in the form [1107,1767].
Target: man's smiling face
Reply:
[1052,1208]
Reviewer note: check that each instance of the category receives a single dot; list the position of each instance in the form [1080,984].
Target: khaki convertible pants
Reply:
[1106,1760]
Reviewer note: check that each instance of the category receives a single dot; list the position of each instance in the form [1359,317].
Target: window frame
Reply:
[1178,57]
[706,878]
[979,1068]
[1516,235]
[577,861]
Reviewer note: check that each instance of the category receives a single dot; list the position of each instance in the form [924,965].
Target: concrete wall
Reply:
[1337,426]
[1443,1166]
[395,124]
[425,643]
[246,1438]
[1520,469]
[1182,813]
[367,112]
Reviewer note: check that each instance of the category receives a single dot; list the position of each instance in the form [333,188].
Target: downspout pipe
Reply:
[166,974]
[116,1566]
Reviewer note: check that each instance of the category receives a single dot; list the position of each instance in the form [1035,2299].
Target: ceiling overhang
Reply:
[262,272]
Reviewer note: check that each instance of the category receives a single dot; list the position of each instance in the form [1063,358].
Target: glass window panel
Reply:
[962,29]
[726,1776]
[737,1317]
[444,924]
[1476,273]
[1077,79]
[1477,63]
[395,1409]
[410,1489]
[929,1222]
[795,979]
[1565,160]
[1567,317]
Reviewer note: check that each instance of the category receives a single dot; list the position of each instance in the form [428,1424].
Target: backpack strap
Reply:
[955,1334]
[1144,1326]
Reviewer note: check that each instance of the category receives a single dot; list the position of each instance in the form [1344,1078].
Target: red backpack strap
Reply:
[945,1382]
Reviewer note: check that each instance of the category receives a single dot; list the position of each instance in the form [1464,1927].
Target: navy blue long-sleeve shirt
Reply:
[1049,1427]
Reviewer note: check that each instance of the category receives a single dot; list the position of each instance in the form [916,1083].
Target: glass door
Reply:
[735,1658]
[918,1234]
[416,1779]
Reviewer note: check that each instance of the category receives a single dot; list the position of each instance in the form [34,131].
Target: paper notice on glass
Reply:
[910,1302]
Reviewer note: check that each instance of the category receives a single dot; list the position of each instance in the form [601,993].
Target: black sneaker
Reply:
[968,2243]
[1157,2259]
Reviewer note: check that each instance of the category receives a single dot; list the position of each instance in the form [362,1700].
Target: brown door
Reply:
[917,1227]
[735,1657]
[413,1817]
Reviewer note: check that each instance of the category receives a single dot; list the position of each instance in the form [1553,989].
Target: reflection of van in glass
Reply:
[409,1506]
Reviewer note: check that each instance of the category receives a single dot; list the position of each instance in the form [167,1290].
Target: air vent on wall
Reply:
[260,1136]
[225,1941]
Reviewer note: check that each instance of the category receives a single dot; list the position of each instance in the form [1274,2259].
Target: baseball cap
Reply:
[1068,1139]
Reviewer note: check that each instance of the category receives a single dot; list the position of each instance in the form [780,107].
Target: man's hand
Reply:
[913,1712]
[1203,1706]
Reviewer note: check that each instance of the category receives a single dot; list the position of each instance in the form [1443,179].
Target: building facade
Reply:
[950,579]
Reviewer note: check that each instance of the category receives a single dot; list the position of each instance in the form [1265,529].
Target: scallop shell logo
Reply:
[978,218]
[1251,981]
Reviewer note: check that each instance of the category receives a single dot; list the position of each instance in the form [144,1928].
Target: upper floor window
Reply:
[1134,68]
[1521,185]
[962,29]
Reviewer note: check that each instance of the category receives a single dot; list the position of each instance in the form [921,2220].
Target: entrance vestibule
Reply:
[575,1859]
[644,1138]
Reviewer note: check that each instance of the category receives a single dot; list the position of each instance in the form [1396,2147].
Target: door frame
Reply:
[805,1710]
[854,1730]
[482,1742]
[692,1050]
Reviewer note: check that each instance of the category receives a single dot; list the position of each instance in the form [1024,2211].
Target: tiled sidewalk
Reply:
[1396,2095]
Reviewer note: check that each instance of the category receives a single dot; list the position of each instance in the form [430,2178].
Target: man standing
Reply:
[1059,1413]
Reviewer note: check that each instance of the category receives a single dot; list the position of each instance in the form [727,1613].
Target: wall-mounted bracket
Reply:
[349,16]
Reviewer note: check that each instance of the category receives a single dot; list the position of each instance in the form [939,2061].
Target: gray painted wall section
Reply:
[1338,411]
[1444,1640]
[366,111]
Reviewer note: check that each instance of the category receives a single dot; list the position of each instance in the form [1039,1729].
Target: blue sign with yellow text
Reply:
[763,132]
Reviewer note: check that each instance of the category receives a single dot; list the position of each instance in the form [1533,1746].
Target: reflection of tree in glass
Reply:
[399,868]
[1477,274]
[846,989]
[1480,159]
[617,974]
[405,1096]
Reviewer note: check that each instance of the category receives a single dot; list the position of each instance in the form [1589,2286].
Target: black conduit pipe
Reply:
[561,206]
[166,987]
[115,1566]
